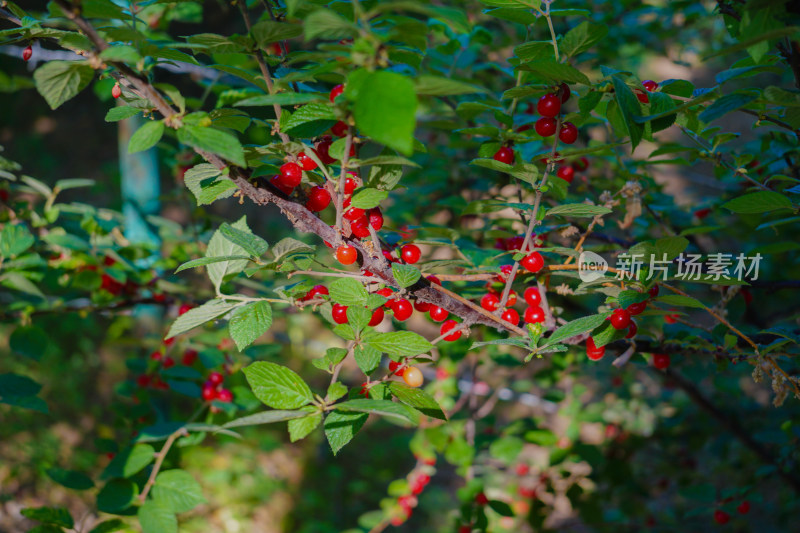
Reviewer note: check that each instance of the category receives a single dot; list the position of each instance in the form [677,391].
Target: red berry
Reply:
[339,313]
[637,308]
[514,243]
[433,279]
[185,308]
[523,469]
[744,507]
[215,378]
[402,309]
[375,218]
[721,517]
[505,272]
[422,307]
[168,362]
[225,396]
[315,291]
[306,162]
[410,253]
[511,316]
[532,296]
[394,366]
[532,262]
[323,150]
[534,315]
[189,357]
[661,361]
[490,301]
[653,292]
[568,133]
[512,298]
[116,91]
[346,254]
[549,105]
[360,227]
[481,499]
[671,319]
[352,213]
[465,529]
[447,326]
[702,213]
[437,313]
[632,330]
[505,155]
[336,91]
[620,319]
[291,175]
[350,185]
[545,126]
[318,199]
[566,173]
[565,92]
[377,317]
[581,164]
[642,96]
[592,351]
[386,292]
[143,381]
[650,85]
[156,356]
[27,53]
[339,129]
[209,392]
[276,182]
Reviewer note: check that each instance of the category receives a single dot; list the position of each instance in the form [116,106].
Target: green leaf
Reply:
[726,104]
[277,386]
[290,98]
[671,247]
[70,478]
[578,210]
[418,399]
[266,417]
[178,490]
[218,142]
[121,52]
[146,136]
[15,239]
[310,120]
[336,390]
[576,327]
[129,461]
[202,261]
[199,316]
[207,183]
[367,358]
[115,114]
[116,495]
[400,343]
[300,428]
[581,38]
[268,31]
[220,246]
[405,275]
[341,427]
[629,107]
[59,81]
[50,515]
[109,526]
[426,85]
[347,291]
[367,198]
[250,322]
[380,407]
[29,341]
[758,202]
[501,508]
[385,110]
[551,70]
[156,517]
[680,301]
[325,24]
[659,104]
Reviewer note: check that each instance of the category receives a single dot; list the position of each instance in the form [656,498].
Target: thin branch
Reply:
[160,456]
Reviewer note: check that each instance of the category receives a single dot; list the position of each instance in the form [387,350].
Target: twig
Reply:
[160,456]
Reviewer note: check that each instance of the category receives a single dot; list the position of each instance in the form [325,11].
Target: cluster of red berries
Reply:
[407,502]
[722,518]
[212,389]
[410,374]
[567,172]
[622,319]
[649,87]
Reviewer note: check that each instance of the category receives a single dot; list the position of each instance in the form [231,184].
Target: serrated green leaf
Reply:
[680,301]
[115,114]
[348,291]
[220,246]
[578,210]
[15,239]
[427,85]
[178,490]
[129,461]
[59,81]
[266,417]
[250,322]
[380,407]
[146,136]
[116,495]
[630,109]
[203,261]
[418,399]
[551,70]
[367,358]
[400,343]
[50,515]
[341,427]
[576,327]
[326,24]
[300,428]
[405,275]
[758,202]
[156,517]
[385,110]
[268,32]
[277,386]
[367,198]
[218,142]
[582,37]
[199,316]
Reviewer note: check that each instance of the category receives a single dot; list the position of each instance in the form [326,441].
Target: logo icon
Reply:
[591,266]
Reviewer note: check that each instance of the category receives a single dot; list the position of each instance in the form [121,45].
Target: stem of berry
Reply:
[348,144]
